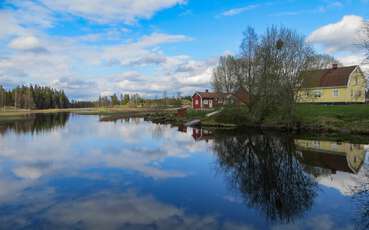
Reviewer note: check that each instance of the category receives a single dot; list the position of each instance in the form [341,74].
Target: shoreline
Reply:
[168,116]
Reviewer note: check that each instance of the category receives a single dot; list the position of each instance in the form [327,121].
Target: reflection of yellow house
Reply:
[340,156]
[334,85]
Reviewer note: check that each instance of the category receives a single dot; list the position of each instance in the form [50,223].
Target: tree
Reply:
[282,57]
[323,61]
[2,97]
[269,68]
[114,100]
[225,75]
[33,97]
[126,99]
[248,77]
[366,39]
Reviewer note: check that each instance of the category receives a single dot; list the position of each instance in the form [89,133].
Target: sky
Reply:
[92,48]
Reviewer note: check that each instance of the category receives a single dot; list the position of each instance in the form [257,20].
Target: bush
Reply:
[233,115]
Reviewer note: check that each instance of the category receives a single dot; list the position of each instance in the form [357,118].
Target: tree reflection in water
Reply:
[267,173]
[35,123]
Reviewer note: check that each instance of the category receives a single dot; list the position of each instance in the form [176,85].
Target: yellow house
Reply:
[334,85]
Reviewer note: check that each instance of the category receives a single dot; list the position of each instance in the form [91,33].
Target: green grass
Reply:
[348,113]
[197,114]
[353,118]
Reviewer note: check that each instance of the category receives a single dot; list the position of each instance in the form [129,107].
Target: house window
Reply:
[335,93]
[205,102]
[317,93]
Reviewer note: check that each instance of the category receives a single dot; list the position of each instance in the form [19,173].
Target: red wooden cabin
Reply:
[207,100]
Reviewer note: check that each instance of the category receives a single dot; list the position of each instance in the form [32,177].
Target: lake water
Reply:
[66,171]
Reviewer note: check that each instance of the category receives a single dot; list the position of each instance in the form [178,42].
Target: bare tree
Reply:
[323,61]
[248,65]
[225,75]
[281,57]
[269,68]
[366,40]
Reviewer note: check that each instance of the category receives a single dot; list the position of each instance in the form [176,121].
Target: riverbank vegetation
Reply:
[308,117]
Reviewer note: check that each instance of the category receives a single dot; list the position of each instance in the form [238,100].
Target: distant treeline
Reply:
[138,101]
[33,97]
[41,97]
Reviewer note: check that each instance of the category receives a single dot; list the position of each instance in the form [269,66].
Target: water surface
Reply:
[68,171]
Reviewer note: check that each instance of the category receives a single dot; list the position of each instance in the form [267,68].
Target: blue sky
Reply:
[97,47]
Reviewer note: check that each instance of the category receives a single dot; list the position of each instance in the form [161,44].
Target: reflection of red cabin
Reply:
[208,100]
[201,134]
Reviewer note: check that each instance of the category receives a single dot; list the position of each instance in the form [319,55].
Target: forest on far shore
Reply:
[33,97]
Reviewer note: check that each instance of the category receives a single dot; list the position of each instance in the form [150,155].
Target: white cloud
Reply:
[351,59]
[333,5]
[101,62]
[141,52]
[344,35]
[318,10]
[175,74]
[198,80]
[236,11]
[112,11]
[159,38]
[341,39]
[25,43]
[8,24]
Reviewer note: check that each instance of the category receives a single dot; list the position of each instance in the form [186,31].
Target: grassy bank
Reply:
[343,118]
[321,118]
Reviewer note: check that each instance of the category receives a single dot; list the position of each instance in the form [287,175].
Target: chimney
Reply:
[334,66]
[207,91]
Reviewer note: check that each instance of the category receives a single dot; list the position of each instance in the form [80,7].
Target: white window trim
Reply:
[317,93]
[336,93]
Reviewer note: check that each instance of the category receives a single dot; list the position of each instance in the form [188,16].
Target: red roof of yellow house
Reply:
[336,76]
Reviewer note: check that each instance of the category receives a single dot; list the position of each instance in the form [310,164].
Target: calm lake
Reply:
[67,171]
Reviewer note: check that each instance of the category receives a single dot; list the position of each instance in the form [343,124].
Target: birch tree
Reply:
[225,75]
